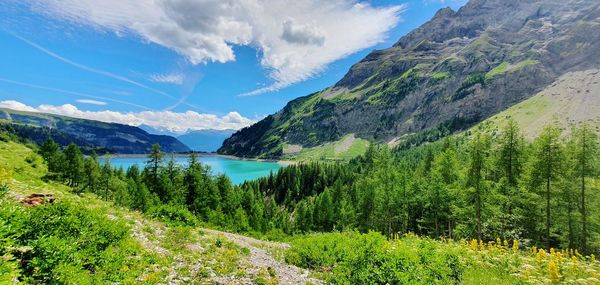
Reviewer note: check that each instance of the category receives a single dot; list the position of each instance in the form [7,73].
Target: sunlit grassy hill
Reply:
[81,239]
[574,98]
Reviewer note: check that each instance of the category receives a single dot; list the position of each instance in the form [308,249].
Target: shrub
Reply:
[173,214]
[354,258]
[3,190]
[64,243]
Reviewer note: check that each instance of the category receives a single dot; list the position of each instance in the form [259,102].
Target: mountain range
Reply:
[208,140]
[454,71]
[88,134]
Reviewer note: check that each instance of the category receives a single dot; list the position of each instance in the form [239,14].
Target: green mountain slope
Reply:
[105,137]
[453,72]
[572,99]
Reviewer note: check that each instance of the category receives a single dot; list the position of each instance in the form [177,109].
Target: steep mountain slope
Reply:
[574,98]
[105,137]
[454,71]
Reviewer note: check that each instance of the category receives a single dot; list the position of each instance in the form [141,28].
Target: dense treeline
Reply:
[475,185]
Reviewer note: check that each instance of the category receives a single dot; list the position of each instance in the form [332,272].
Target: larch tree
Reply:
[546,170]
[478,153]
[584,150]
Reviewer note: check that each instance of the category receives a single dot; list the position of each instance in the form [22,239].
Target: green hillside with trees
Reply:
[457,193]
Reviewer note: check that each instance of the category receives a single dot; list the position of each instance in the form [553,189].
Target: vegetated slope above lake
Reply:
[88,134]
[456,70]
[92,241]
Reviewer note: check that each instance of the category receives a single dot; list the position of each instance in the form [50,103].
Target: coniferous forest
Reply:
[477,185]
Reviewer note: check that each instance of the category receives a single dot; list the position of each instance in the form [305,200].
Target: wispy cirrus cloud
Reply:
[295,40]
[89,68]
[71,93]
[91,102]
[172,78]
[178,122]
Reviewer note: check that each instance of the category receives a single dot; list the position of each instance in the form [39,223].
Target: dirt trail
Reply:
[260,258]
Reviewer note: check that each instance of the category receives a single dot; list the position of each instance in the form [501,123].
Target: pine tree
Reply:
[584,151]
[546,170]
[155,159]
[54,158]
[478,152]
[510,153]
[92,173]
[106,174]
[74,165]
[508,164]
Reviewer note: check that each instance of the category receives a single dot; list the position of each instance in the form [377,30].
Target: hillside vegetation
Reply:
[535,202]
[81,239]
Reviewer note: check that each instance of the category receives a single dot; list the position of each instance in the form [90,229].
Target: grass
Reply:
[440,75]
[505,67]
[345,148]
[498,70]
[354,258]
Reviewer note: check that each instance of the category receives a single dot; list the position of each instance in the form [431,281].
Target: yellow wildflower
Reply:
[481,245]
[592,258]
[553,271]
[541,255]
[515,246]
[558,257]
[474,245]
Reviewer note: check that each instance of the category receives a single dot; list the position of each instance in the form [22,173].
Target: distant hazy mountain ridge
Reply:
[456,70]
[208,140]
[106,137]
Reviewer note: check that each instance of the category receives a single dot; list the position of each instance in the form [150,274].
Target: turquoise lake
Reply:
[237,170]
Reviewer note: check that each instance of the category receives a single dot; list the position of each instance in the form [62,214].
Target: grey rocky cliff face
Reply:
[455,70]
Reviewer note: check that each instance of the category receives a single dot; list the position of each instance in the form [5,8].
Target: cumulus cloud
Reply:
[295,39]
[92,102]
[166,120]
[16,105]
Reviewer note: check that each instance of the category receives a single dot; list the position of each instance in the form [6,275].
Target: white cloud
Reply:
[167,120]
[296,39]
[15,105]
[172,78]
[92,102]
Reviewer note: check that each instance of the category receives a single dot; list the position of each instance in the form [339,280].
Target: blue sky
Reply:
[112,63]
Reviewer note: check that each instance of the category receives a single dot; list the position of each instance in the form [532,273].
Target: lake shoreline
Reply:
[232,157]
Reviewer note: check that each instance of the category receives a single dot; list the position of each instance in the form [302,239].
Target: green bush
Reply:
[3,190]
[66,244]
[353,258]
[174,215]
